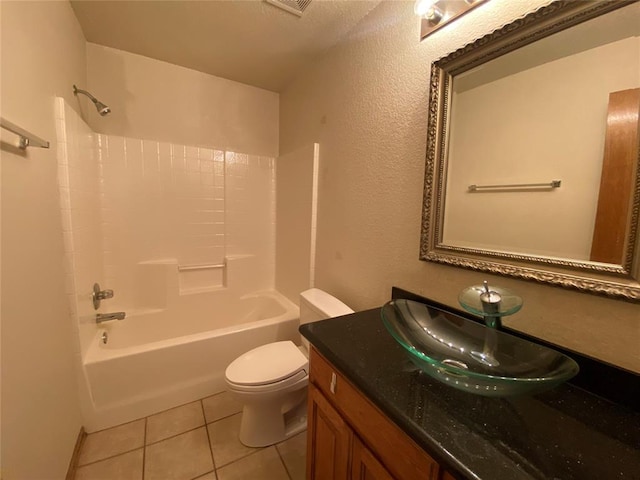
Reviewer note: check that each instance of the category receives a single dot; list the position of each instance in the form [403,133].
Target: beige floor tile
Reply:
[172,422]
[220,406]
[262,465]
[113,441]
[185,457]
[127,466]
[294,455]
[208,476]
[225,445]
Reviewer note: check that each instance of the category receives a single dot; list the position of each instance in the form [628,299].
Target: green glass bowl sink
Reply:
[469,356]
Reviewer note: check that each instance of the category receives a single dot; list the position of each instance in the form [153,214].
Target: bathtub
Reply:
[158,359]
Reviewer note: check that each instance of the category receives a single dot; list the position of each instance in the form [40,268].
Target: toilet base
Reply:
[267,423]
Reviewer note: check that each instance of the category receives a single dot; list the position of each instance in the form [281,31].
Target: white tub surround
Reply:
[185,237]
[155,360]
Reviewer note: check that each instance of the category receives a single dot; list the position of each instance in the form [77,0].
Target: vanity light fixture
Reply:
[437,13]
[428,10]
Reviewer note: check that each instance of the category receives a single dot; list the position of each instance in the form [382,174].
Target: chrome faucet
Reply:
[490,304]
[491,307]
[98,295]
[105,317]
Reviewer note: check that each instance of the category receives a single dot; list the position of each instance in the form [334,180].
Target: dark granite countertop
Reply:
[565,433]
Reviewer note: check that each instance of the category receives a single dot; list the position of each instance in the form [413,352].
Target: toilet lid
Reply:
[267,364]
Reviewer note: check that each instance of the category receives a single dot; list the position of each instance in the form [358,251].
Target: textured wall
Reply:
[366,104]
[156,100]
[43,54]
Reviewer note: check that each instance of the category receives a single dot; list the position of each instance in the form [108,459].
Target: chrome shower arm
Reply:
[77,90]
[101,107]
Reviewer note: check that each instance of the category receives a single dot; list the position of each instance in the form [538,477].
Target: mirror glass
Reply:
[533,153]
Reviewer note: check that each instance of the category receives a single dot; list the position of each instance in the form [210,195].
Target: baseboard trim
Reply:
[73,464]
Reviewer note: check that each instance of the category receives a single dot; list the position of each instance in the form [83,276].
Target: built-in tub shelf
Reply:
[202,266]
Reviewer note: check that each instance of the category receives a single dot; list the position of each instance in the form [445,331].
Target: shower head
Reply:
[101,107]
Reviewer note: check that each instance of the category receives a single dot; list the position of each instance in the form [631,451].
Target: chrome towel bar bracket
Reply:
[27,139]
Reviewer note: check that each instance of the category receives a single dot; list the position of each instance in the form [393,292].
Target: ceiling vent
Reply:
[297,7]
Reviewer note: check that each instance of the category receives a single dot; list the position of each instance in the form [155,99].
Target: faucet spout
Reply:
[105,317]
[493,321]
[490,303]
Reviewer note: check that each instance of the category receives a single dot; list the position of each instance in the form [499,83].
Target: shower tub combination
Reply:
[184,322]
[159,359]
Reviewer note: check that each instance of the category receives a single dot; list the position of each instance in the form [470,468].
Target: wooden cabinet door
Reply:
[329,440]
[364,466]
[400,455]
[447,476]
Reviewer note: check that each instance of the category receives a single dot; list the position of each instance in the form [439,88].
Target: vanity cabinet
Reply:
[349,438]
[331,438]
[364,464]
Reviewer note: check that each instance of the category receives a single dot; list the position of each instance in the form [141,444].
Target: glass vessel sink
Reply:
[472,357]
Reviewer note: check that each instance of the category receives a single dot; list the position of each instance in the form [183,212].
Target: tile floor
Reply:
[198,440]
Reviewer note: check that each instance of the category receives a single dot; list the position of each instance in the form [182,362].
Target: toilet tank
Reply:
[316,304]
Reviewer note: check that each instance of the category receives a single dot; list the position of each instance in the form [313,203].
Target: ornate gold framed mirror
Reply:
[533,150]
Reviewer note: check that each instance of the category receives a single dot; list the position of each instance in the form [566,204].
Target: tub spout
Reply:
[105,317]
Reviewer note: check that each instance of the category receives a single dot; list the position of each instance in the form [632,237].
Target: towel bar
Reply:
[27,139]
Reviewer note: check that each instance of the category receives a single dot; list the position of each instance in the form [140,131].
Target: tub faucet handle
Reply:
[99,295]
[105,317]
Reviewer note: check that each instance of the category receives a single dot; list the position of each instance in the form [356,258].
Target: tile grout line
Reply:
[144,450]
[221,418]
[205,425]
[259,449]
[116,426]
[144,445]
[111,457]
[284,464]
[206,429]
[166,438]
[174,435]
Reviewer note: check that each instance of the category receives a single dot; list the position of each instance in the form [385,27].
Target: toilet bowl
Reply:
[271,380]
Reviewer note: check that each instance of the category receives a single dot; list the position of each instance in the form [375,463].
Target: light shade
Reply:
[435,14]
[421,7]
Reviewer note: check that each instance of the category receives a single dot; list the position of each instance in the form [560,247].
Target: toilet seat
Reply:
[268,367]
[297,380]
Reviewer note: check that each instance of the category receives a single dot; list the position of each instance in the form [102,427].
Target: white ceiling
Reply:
[248,41]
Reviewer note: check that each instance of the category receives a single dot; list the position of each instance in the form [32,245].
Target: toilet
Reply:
[271,380]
